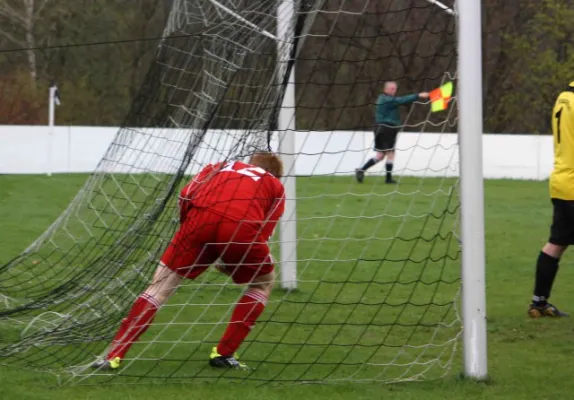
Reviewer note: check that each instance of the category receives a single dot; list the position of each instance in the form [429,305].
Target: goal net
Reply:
[376,267]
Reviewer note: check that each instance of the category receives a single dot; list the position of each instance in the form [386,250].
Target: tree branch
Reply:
[9,36]
[12,14]
[39,8]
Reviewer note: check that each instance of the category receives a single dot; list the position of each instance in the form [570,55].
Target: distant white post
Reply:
[53,101]
[286,127]
[471,188]
[51,118]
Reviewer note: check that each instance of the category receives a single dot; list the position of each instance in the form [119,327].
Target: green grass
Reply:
[521,352]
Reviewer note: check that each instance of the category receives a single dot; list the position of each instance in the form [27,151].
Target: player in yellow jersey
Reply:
[562,195]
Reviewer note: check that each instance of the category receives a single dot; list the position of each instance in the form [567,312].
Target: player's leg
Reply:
[141,315]
[546,269]
[561,236]
[360,172]
[377,157]
[250,264]
[390,142]
[389,166]
[244,317]
[185,257]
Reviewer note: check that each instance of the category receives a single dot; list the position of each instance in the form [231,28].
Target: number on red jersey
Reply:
[254,173]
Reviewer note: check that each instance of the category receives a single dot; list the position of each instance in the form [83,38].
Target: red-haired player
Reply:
[227,212]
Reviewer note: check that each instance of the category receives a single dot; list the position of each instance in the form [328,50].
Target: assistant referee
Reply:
[562,197]
[388,123]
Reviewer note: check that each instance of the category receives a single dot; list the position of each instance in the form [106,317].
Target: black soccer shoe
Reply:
[360,175]
[216,360]
[391,182]
[544,310]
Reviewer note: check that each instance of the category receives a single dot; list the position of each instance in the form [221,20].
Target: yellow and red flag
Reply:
[440,97]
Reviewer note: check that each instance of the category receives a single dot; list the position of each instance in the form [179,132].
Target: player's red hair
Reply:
[270,162]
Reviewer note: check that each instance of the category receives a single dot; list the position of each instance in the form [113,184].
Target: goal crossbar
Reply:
[245,21]
[442,6]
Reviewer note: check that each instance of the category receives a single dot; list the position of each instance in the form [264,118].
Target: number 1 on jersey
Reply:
[557,116]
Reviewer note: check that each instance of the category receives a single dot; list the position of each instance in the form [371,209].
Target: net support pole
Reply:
[286,128]
[51,119]
[472,189]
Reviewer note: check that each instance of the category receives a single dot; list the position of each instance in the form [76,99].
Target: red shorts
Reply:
[205,236]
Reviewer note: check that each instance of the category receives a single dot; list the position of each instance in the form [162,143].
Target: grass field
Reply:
[522,353]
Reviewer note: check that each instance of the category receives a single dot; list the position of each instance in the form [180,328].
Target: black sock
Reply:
[369,164]
[546,269]
[389,168]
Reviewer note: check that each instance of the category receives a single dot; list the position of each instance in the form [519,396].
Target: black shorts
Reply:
[385,137]
[562,229]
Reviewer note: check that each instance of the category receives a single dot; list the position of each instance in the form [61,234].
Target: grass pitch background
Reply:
[523,354]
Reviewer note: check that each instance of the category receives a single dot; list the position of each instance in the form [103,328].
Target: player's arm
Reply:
[408,99]
[273,215]
[191,189]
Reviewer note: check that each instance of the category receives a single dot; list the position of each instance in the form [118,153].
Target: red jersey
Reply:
[238,191]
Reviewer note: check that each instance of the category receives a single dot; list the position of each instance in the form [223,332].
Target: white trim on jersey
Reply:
[272,210]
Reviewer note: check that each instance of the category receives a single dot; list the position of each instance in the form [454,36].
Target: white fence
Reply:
[73,149]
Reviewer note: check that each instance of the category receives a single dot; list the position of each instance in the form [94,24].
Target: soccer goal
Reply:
[376,282]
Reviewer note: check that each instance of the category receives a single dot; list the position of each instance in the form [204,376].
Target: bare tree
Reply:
[17,23]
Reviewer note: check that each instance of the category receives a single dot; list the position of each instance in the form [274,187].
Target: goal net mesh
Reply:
[378,269]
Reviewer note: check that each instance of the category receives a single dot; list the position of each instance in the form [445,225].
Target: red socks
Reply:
[134,325]
[246,312]
[142,313]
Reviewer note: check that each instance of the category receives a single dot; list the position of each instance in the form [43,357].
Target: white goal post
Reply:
[286,127]
[471,188]
[470,130]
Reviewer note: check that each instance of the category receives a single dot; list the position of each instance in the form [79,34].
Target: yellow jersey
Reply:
[562,177]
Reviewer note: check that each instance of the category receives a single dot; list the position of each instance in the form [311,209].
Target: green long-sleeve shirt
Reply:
[387,108]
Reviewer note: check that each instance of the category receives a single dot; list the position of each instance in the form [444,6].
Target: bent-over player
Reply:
[227,212]
[388,123]
[562,197]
